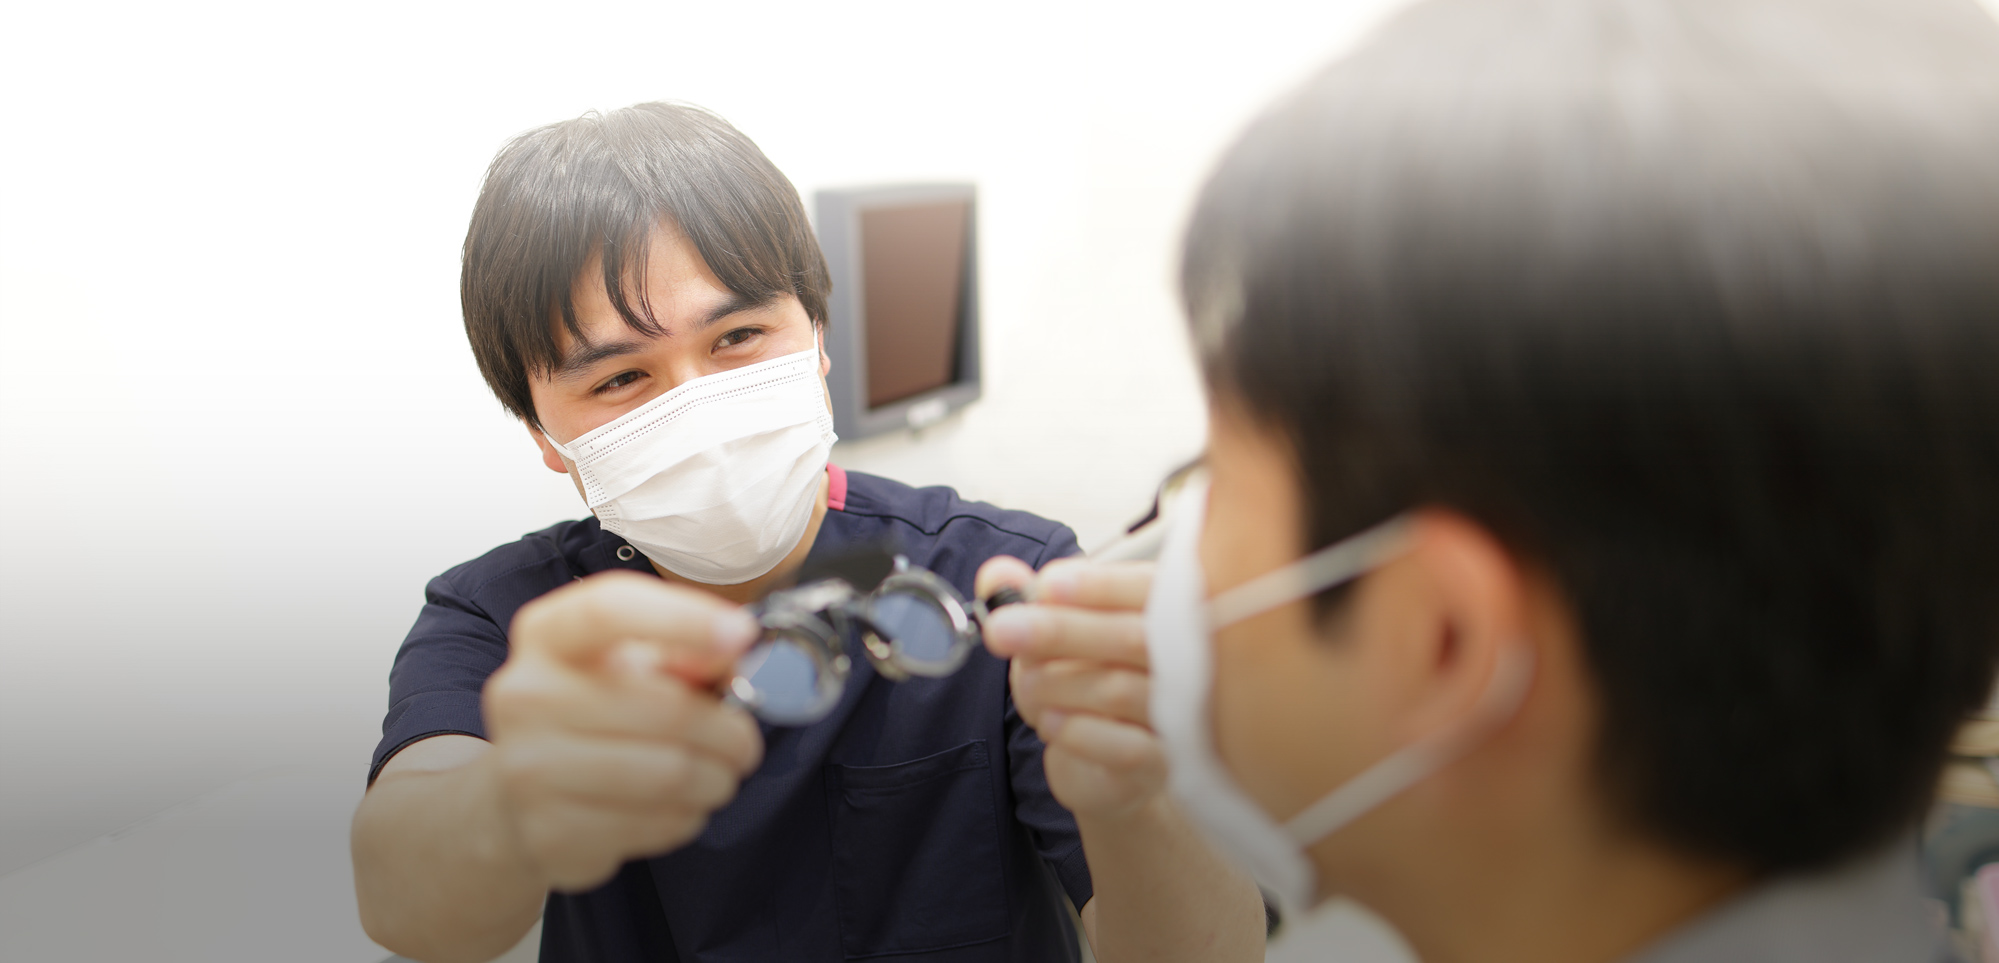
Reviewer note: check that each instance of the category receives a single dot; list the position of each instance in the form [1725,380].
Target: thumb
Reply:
[1003,571]
[698,637]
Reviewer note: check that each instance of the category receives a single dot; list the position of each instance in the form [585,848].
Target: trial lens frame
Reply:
[815,619]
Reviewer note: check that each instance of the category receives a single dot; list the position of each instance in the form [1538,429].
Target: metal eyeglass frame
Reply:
[816,617]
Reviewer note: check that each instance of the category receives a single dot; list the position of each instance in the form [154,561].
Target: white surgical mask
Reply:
[715,480]
[1180,623]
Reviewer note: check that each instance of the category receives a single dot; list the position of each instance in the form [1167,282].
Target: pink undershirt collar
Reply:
[836,487]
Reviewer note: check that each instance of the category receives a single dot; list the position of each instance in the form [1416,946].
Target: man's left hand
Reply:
[1080,677]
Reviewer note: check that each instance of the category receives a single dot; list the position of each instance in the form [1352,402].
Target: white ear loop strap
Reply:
[1412,763]
[560,448]
[1342,561]
[1336,564]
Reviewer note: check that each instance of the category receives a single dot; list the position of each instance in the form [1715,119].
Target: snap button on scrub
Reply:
[626,553]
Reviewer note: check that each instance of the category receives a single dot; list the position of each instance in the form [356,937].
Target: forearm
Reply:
[1162,894]
[436,870]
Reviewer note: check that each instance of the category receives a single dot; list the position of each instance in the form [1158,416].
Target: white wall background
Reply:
[239,421]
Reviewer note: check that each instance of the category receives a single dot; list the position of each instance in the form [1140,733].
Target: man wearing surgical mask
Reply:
[642,289]
[1599,540]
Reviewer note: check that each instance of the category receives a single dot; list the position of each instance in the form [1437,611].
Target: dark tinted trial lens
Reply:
[916,626]
[786,677]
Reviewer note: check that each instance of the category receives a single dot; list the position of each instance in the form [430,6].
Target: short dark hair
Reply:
[1695,305]
[601,184]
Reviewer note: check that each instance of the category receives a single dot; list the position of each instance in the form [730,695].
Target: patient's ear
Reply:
[549,456]
[1474,607]
[825,360]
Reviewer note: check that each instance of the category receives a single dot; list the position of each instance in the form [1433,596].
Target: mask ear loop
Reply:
[1338,563]
[591,490]
[1334,565]
[1411,764]
[560,448]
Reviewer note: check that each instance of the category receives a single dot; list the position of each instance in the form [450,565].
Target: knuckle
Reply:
[667,777]
[1092,582]
[1129,634]
[997,570]
[747,748]
[1127,693]
[671,705]
[1066,563]
[588,616]
[591,602]
[1030,710]
[1132,575]
[1033,624]
[516,691]
[1134,754]
[531,620]
[710,785]
[1052,632]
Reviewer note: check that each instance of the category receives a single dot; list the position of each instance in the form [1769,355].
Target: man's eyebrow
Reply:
[735,303]
[584,357]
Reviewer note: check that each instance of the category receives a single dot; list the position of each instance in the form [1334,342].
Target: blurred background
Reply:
[242,428]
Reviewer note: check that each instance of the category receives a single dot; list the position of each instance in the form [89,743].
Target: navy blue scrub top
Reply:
[915,822]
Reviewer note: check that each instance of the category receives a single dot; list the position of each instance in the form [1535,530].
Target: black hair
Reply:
[1695,305]
[600,185]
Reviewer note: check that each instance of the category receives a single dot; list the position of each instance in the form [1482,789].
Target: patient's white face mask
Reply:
[1180,623]
[715,480]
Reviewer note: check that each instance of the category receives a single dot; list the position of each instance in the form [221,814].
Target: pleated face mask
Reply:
[715,480]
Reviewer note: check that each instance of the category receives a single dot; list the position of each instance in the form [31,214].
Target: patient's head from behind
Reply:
[1676,324]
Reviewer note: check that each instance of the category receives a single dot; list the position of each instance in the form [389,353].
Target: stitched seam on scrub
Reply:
[912,523]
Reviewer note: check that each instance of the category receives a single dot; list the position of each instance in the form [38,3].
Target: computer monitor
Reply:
[903,320]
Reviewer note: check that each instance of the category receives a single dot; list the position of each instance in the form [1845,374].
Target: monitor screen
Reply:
[912,287]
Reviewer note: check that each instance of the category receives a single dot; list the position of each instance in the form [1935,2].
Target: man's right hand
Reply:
[608,740]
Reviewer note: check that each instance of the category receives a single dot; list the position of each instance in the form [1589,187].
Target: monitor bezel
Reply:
[839,225]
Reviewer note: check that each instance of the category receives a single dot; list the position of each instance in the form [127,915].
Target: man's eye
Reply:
[737,337]
[620,381]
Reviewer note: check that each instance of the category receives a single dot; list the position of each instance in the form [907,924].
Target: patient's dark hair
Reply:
[600,184]
[1694,304]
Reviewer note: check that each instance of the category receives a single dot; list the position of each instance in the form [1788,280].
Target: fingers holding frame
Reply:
[619,774]
[1103,767]
[578,845]
[531,696]
[698,636]
[1003,571]
[1109,586]
[1073,581]
[1078,686]
[1044,632]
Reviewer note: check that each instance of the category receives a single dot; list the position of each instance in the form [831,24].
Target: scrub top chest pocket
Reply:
[916,854]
